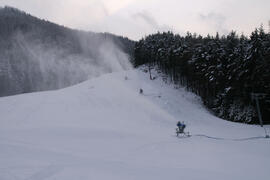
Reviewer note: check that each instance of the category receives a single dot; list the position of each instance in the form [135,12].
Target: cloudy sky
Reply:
[137,18]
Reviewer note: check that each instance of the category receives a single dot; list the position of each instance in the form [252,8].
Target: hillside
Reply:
[227,72]
[37,55]
[104,129]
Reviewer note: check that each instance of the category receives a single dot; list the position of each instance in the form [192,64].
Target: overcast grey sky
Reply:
[137,18]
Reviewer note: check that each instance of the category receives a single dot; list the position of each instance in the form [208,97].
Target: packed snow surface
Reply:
[104,129]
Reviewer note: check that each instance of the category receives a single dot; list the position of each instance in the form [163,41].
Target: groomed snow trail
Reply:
[103,129]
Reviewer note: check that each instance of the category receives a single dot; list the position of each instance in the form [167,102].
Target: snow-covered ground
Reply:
[104,129]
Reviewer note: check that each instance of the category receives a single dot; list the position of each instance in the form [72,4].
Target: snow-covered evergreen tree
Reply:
[224,71]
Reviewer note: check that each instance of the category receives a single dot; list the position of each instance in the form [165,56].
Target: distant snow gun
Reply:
[256,97]
[180,130]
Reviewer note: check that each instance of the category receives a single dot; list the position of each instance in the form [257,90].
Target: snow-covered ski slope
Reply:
[103,129]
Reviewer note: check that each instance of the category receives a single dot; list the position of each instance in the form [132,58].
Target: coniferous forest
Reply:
[223,70]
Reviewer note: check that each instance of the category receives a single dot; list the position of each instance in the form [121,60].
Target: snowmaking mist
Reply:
[37,64]
[37,55]
[61,67]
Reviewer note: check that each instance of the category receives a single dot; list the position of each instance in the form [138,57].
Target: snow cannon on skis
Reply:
[180,130]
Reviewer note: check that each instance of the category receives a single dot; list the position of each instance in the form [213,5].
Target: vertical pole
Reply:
[259,111]
[150,71]
[259,114]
